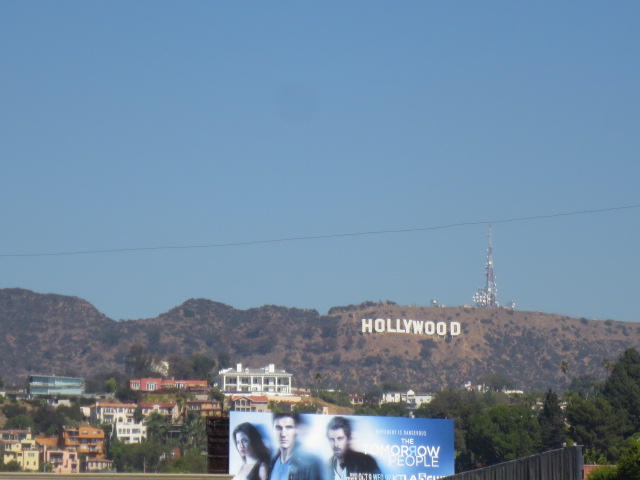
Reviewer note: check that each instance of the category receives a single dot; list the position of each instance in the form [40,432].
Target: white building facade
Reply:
[130,432]
[256,380]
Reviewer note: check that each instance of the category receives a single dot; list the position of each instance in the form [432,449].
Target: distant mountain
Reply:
[47,333]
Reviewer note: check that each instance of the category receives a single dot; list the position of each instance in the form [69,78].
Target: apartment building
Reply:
[84,439]
[54,385]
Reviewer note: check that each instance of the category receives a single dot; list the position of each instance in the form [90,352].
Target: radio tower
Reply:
[487,296]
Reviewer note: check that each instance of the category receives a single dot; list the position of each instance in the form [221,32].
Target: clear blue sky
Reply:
[128,125]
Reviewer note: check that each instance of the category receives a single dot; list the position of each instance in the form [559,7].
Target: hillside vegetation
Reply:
[48,333]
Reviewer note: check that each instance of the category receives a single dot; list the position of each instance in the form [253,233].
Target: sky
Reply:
[320,154]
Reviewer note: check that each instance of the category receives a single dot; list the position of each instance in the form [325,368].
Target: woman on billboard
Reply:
[254,453]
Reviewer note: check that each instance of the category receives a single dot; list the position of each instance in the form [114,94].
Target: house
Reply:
[19,446]
[23,437]
[130,432]
[84,439]
[412,399]
[250,403]
[62,461]
[159,384]
[256,380]
[98,464]
[27,458]
[206,408]
[168,409]
[54,385]
[109,412]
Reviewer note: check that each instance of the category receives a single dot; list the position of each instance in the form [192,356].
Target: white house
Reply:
[256,380]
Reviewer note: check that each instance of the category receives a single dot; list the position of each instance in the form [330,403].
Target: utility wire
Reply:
[317,237]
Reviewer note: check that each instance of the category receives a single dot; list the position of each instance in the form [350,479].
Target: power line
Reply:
[316,237]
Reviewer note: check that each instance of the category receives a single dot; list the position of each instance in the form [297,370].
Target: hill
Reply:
[48,333]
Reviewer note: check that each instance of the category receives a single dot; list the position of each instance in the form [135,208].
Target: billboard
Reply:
[339,447]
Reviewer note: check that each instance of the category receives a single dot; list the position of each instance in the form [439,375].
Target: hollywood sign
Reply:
[416,327]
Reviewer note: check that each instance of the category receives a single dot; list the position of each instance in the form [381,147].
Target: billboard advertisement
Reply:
[266,446]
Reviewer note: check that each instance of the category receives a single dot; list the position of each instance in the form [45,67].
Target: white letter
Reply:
[367,325]
[429,328]
[379,325]
[389,327]
[455,328]
[407,324]
[441,328]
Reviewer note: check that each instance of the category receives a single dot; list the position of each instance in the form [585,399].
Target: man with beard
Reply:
[345,461]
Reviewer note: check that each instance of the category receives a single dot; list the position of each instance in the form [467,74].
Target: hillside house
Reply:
[206,408]
[19,446]
[168,409]
[159,384]
[98,465]
[84,439]
[109,412]
[256,380]
[412,399]
[62,461]
[54,385]
[250,403]
[130,432]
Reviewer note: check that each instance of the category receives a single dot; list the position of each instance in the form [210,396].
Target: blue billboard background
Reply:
[404,448]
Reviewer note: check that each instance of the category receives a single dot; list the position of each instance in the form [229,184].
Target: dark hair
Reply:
[255,440]
[293,416]
[340,422]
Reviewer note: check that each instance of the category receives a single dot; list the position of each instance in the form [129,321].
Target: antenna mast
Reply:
[487,296]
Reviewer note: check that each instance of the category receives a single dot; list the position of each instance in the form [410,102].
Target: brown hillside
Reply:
[68,336]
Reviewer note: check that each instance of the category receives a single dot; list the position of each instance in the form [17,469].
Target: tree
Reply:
[157,428]
[202,366]
[394,409]
[192,462]
[47,420]
[111,385]
[494,382]
[72,413]
[12,409]
[587,386]
[629,463]
[552,423]
[138,361]
[604,473]
[126,395]
[11,466]
[224,360]
[305,408]
[19,422]
[459,405]
[180,367]
[503,433]
[136,457]
[193,433]
[622,388]
[596,425]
